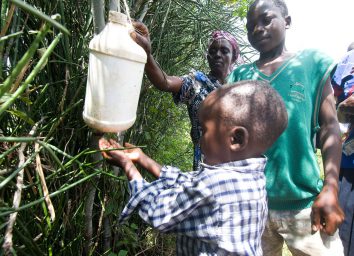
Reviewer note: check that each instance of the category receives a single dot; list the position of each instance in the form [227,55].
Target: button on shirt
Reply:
[219,210]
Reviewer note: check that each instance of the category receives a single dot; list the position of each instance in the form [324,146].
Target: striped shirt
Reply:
[219,210]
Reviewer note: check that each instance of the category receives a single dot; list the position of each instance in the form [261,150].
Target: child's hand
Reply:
[326,213]
[133,152]
[116,157]
[121,157]
[141,36]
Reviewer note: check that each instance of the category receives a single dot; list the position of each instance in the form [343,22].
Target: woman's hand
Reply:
[346,110]
[141,36]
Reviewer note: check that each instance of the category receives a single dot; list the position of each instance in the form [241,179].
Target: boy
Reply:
[292,173]
[221,208]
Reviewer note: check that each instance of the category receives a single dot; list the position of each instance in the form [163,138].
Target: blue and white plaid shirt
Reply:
[219,210]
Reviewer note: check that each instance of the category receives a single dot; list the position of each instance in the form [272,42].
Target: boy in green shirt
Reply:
[293,176]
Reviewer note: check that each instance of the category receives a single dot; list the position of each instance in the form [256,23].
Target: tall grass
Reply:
[56,196]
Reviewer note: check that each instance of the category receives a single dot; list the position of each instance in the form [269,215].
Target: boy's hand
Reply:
[133,152]
[122,158]
[326,213]
[141,36]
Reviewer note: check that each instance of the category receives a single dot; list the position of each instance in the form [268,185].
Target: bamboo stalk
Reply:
[50,20]
[8,20]
[98,17]
[4,38]
[99,23]
[100,221]
[7,246]
[56,193]
[91,198]
[44,184]
[24,60]
[113,5]
[32,75]
[107,234]
[88,219]
[18,139]
[4,5]
[18,170]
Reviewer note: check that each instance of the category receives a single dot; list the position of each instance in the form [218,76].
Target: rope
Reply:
[127,10]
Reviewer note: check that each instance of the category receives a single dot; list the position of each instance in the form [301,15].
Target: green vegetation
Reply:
[56,195]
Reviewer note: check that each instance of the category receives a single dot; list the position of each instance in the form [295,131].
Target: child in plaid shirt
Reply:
[220,209]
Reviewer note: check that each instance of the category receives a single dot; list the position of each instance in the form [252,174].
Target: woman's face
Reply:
[220,58]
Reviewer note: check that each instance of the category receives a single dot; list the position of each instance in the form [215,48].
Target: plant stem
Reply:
[32,75]
[24,60]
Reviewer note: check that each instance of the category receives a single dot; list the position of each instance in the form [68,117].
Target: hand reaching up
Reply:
[141,36]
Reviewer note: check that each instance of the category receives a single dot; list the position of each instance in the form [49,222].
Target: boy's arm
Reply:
[156,75]
[139,157]
[172,203]
[326,212]
[127,157]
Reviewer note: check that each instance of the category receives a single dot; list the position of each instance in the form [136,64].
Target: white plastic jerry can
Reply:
[116,68]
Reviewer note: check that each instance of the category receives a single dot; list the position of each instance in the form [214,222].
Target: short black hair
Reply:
[255,105]
[278,3]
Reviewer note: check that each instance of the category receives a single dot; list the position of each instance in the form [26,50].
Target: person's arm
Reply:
[156,75]
[171,202]
[139,157]
[326,212]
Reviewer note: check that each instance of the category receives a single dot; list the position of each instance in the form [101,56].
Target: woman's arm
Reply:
[156,75]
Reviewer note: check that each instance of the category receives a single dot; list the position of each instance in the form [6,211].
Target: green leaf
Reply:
[134,226]
[23,116]
[123,253]
[147,136]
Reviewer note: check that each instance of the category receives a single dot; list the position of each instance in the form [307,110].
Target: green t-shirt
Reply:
[292,172]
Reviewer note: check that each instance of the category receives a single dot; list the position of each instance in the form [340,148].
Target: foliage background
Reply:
[85,194]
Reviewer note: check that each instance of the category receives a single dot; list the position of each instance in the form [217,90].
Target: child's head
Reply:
[267,21]
[240,121]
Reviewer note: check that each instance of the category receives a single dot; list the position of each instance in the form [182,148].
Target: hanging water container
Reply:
[116,68]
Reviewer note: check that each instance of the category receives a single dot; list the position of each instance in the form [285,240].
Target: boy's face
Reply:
[266,26]
[214,140]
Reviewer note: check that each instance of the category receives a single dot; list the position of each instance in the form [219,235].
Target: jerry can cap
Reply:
[118,17]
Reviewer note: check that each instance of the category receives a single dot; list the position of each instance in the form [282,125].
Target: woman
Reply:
[193,88]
